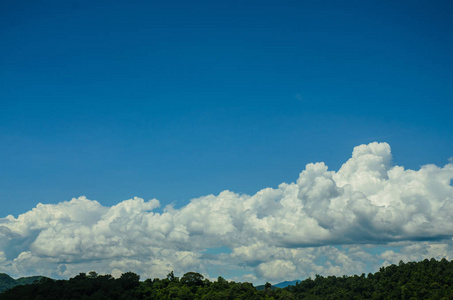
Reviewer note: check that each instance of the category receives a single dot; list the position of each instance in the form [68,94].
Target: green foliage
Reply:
[429,279]
[129,280]
[192,279]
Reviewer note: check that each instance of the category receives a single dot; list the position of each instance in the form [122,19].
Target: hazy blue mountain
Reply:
[286,283]
[278,285]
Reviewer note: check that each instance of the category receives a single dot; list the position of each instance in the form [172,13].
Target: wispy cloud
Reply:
[379,213]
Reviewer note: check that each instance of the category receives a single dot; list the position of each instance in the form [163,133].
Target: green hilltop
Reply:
[7,282]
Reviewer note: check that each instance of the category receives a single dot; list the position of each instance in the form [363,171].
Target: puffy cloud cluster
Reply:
[379,214]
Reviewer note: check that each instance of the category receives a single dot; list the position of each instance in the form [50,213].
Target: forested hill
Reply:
[7,282]
[428,279]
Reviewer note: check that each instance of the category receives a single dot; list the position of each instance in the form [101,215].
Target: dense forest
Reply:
[428,279]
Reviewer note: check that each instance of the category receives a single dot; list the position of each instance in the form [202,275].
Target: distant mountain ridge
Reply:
[278,285]
[7,282]
[286,283]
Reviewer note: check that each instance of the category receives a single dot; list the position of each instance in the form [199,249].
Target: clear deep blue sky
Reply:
[179,99]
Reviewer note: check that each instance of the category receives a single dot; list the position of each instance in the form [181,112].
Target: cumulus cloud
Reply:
[378,212]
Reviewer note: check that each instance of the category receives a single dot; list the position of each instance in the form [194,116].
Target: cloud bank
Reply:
[367,214]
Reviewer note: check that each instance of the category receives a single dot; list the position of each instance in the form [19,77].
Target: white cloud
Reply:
[419,251]
[276,234]
[274,270]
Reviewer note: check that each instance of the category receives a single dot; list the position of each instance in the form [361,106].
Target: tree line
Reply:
[428,279]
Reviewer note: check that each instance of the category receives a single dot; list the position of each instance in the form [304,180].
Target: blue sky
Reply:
[175,100]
